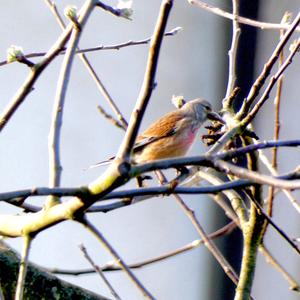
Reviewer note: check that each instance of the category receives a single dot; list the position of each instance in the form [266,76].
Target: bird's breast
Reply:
[168,147]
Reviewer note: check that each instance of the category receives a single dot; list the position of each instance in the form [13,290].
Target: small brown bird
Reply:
[173,134]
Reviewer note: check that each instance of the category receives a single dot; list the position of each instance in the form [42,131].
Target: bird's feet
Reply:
[182,174]
[140,180]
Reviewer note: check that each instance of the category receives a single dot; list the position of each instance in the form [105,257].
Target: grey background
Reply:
[192,64]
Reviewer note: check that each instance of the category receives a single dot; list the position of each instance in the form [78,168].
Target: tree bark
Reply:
[39,284]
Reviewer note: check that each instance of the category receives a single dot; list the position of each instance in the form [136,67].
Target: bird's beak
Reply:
[215,117]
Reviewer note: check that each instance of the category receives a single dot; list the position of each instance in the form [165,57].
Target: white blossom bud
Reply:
[14,53]
[178,101]
[125,7]
[71,12]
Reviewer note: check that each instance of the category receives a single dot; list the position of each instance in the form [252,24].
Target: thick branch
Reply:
[148,83]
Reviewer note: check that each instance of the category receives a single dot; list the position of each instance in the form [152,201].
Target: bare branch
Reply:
[250,116]
[116,256]
[240,127]
[206,159]
[228,269]
[256,177]
[148,83]
[23,267]
[55,167]
[288,194]
[275,226]
[294,286]
[119,46]
[237,211]
[161,164]
[110,118]
[277,116]
[113,266]
[242,20]
[236,31]
[36,71]
[99,272]
[113,10]
[212,248]
[91,70]
[272,60]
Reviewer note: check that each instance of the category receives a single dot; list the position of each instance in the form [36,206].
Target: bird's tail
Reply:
[101,163]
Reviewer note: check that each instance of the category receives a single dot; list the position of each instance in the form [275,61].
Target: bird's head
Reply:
[202,110]
[198,108]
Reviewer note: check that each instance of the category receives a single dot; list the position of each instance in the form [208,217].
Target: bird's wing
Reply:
[101,163]
[162,128]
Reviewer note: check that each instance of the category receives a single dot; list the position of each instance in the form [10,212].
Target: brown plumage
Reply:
[173,134]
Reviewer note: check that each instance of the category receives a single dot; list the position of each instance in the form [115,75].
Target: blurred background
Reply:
[194,63]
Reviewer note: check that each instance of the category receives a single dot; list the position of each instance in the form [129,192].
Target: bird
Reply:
[173,134]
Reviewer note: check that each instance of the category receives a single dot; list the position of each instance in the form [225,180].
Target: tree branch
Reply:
[242,20]
[37,69]
[100,237]
[39,284]
[148,82]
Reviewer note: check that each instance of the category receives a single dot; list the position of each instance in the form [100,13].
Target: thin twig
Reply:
[237,212]
[25,207]
[36,71]
[227,229]
[116,256]
[91,70]
[256,177]
[247,21]
[294,286]
[23,267]
[277,118]
[51,4]
[55,167]
[119,46]
[232,54]
[43,191]
[110,118]
[269,258]
[113,266]
[228,269]
[236,129]
[103,90]
[245,173]
[250,116]
[113,10]
[270,63]
[288,194]
[275,226]
[99,272]
[12,196]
